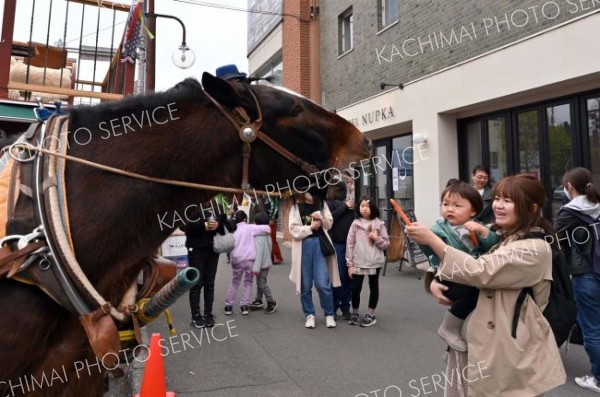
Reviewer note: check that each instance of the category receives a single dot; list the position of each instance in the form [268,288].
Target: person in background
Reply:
[581,235]
[481,181]
[367,240]
[272,210]
[242,259]
[452,181]
[262,264]
[341,204]
[201,256]
[309,218]
[231,72]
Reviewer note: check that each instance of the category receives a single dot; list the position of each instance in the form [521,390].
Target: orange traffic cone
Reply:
[154,382]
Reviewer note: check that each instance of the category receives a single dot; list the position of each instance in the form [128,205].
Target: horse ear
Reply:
[221,90]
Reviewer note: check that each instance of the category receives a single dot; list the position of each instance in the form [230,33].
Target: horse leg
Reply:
[28,319]
[70,368]
[44,349]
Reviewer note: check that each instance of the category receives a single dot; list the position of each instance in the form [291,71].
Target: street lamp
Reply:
[183,57]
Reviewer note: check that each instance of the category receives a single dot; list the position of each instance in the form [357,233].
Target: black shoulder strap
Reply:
[515,321]
[524,292]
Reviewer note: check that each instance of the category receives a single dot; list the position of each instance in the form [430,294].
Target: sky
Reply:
[217,36]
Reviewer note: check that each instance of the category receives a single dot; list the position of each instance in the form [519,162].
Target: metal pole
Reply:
[152,15]
[141,66]
[150,50]
[10,7]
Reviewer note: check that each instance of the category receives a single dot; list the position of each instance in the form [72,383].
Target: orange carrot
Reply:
[474,238]
[400,212]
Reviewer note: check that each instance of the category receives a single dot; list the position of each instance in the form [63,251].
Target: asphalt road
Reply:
[274,355]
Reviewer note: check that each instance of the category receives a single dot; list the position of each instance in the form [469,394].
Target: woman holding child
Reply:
[496,363]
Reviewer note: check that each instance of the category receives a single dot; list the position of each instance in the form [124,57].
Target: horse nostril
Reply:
[368,144]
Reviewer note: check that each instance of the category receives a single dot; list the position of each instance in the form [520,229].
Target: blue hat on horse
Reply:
[230,72]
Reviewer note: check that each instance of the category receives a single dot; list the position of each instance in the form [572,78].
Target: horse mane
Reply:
[188,91]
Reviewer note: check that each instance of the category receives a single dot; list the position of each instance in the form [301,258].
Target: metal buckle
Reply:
[8,239]
[28,238]
[35,255]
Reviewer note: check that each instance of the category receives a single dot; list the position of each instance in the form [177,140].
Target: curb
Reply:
[131,382]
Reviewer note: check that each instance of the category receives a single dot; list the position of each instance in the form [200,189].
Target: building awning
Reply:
[17,112]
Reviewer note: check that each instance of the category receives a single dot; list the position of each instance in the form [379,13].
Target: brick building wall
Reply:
[299,53]
[296,46]
[430,35]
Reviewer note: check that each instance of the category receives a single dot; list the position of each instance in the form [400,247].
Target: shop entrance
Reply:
[389,174]
[543,139]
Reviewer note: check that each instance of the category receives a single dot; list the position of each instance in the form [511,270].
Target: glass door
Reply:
[560,149]
[528,144]
[591,124]
[390,174]
[402,171]
[374,176]
[498,154]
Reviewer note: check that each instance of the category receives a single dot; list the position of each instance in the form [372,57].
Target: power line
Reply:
[232,8]
[93,33]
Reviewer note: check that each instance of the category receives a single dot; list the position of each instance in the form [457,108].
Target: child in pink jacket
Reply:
[242,259]
[367,241]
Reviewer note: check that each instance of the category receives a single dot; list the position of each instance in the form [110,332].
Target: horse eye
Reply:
[296,110]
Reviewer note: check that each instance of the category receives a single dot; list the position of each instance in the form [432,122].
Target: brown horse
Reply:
[177,134]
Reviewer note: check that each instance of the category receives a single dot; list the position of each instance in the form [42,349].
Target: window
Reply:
[473,140]
[592,106]
[528,134]
[388,12]
[497,148]
[345,32]
[560,148]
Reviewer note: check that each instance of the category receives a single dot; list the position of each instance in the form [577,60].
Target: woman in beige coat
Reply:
[309,221]
[496,364]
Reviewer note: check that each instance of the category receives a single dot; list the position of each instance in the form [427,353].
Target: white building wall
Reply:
[558,62]
[266,50]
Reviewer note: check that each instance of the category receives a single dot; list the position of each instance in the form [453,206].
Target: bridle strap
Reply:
[304,165]
[244,123]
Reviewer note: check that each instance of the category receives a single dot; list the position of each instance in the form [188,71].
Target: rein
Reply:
[248,132]
[32,148]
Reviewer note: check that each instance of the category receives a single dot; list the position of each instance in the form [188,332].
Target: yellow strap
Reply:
[148,32]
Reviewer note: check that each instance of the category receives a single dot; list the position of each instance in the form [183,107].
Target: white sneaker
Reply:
[329,322]
[310,321]
[588,382]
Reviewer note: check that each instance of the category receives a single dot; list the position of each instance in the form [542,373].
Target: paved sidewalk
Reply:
[274,355]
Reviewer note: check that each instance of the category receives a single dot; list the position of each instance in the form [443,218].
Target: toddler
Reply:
[460,204]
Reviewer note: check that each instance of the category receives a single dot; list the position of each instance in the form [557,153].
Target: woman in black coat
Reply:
[578,226]
[200,230]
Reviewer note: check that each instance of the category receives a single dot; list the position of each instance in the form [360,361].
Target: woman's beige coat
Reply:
[299,232]
[530,364]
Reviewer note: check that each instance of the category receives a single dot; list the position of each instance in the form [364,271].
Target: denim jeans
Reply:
[314,269]
[342,294]
[586,288]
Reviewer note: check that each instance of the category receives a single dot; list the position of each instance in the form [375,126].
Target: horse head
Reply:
[308,131]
